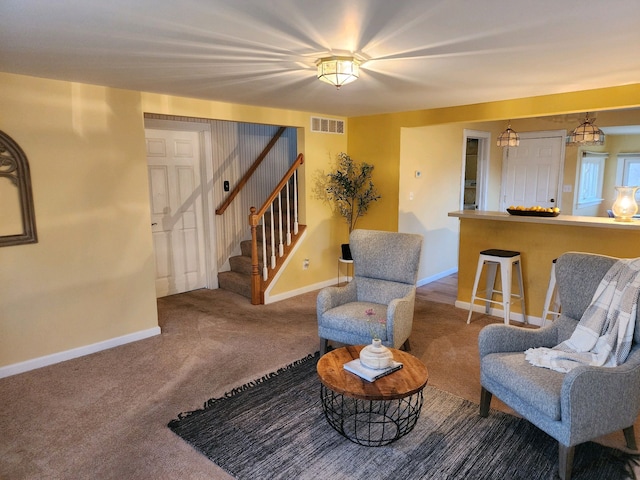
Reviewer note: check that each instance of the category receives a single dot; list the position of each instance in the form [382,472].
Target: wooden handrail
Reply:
[255,215]
[245,178]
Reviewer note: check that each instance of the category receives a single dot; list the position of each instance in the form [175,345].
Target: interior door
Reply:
[173,159]
[532,170]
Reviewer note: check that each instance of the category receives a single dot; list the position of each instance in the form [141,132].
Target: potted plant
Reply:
[351,189]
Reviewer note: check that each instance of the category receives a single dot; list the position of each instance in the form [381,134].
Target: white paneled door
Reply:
[531,171]
[176,210]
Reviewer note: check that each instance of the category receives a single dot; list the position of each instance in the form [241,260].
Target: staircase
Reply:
[274,233]
[238,279]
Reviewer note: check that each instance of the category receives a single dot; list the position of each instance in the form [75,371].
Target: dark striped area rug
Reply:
[274,428]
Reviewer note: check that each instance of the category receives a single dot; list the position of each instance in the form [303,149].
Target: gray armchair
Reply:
[385,274]
[572,407]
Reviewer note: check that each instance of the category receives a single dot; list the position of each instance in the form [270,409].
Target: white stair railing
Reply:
[258,218]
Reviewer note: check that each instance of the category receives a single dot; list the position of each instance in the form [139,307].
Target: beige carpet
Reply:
[104,416]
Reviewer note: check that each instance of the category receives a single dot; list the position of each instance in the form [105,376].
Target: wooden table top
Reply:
[410,379]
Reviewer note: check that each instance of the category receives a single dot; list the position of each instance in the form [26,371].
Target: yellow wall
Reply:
[616,146]
[376,138]
[436,153]
[90,277]
[539,244]
[325,231]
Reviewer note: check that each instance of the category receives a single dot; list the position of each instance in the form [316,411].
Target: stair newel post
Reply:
[255,272]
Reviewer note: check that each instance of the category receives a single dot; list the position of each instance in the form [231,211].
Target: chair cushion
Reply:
[539,387]
[351,318]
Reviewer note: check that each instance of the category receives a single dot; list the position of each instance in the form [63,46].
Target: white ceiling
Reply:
[421,53]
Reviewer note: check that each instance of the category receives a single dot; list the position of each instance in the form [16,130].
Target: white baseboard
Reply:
[334,281]
[437,276]
[516,317]
[299,291]
[40,362]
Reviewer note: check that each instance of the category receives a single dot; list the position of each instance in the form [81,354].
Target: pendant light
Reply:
[586,134]
[509,138]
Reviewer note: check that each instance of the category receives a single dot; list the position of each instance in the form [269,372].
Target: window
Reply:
[631,168]
[591,179]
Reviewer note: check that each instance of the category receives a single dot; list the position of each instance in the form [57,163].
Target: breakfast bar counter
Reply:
[539,240]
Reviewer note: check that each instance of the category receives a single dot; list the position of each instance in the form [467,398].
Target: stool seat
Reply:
[507,260]
[500,253]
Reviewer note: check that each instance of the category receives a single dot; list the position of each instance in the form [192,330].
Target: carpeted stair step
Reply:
[236,282]
[242,264]
[245,248]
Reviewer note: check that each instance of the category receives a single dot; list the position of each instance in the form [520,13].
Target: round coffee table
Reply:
[371,413]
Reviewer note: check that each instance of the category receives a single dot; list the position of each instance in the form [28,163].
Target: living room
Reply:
[88,283]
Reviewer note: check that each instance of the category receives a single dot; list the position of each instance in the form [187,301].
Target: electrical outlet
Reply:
[305,264]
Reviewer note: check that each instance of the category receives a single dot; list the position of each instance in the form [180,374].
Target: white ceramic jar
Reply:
[376,355]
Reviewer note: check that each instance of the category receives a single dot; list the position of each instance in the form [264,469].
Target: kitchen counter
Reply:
[539,240]
[568,220]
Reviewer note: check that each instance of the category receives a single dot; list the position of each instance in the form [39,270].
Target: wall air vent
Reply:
[327,125]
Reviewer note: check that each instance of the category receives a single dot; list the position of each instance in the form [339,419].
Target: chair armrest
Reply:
[331,297]
[599,400]
[400,316]
[507,338]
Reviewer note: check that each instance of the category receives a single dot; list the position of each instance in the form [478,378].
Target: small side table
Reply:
[371,413]
[347,262]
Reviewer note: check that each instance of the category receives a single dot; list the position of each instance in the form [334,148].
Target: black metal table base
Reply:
[371,423]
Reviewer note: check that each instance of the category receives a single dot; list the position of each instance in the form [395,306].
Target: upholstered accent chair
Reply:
[572,407]
[384,282]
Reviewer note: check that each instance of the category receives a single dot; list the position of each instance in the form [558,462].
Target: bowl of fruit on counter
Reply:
[536,211]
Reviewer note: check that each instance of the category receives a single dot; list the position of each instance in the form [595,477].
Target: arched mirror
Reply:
[17,219]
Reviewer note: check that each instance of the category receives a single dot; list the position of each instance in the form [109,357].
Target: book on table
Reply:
[371,374]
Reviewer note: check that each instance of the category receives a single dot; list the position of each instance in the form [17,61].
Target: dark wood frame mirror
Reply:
[14,173]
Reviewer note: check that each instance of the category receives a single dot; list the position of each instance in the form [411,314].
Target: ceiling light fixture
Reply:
[509,138]
[586,134]
[338,71]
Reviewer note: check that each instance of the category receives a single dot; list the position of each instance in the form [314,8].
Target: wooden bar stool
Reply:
[551,301]
[507,260]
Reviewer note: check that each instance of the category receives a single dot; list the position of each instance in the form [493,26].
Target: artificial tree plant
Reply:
[351,189]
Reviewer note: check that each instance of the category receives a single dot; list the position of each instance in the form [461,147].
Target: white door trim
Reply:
[482,181]
[206,176]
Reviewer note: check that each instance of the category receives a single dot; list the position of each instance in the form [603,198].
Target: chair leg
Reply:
[406,346]
[565,461]
[507,278]
[474,292]
[324,346]
[485,402]
[492,270]
[630,437]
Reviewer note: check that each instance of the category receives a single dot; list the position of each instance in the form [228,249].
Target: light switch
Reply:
[566,188]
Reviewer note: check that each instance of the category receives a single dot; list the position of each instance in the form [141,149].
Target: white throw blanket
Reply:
[604,334]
